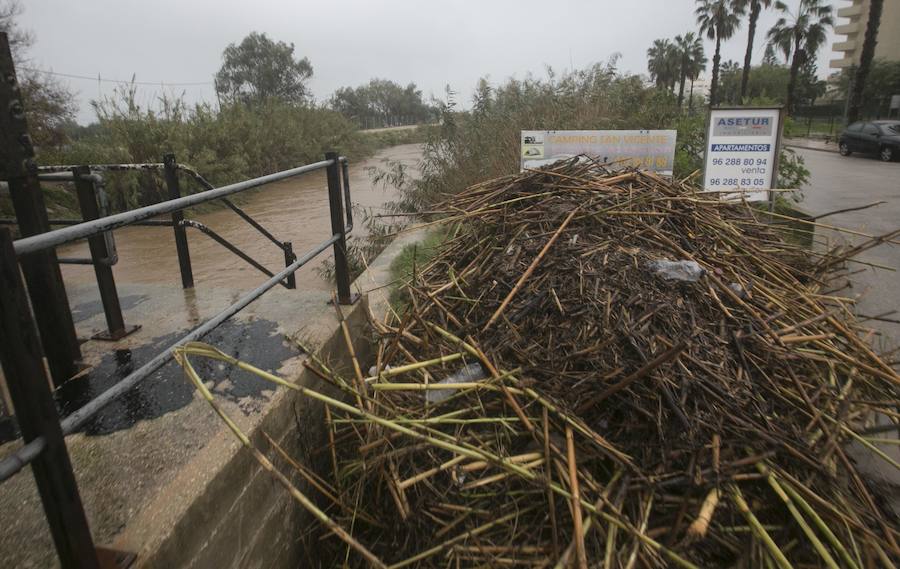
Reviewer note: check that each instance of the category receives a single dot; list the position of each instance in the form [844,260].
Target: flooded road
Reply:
[294,210]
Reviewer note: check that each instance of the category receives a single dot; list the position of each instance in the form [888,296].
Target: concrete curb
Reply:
[804,147]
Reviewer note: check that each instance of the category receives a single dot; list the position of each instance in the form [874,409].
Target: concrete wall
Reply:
[235,514]
[224,510]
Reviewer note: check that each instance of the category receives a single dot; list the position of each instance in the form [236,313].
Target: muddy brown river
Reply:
[294,210]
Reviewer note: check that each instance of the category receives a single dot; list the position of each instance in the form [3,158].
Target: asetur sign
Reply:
[742,151]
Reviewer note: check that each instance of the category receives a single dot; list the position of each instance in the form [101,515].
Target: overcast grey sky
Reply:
[433,44]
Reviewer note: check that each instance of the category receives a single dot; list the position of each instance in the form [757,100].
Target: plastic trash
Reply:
[466,374]
[372,369]
[741,293]
[688,271]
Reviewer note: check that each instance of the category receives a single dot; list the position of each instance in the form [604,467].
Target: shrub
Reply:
[226,145]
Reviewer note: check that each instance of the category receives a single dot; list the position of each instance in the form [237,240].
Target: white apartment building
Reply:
[856,16]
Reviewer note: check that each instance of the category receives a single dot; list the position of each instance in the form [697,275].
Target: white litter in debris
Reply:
[466,374]
[689,271]
[740,291]
[372,370]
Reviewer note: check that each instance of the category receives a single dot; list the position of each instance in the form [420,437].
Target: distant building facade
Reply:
[849,50]
[701,87]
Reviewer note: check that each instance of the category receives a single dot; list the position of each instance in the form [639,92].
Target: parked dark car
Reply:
[875,137]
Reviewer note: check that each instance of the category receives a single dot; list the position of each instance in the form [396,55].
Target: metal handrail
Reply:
[58,237]
[169,166]
[146,222]
[13,463]
[71,423]
[62,172]
[36,321]
[228,245]
[206,185]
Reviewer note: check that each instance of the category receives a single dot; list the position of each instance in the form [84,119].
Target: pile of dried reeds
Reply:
[608,415]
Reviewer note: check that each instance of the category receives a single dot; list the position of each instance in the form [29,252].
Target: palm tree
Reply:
[865,60]
[697,66]
[756,7]
[673,66]
[800,34]
[683,44]
[718,19]
[659,62]
[769,57]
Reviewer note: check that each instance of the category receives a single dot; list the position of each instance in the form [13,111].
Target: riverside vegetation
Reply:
[482,143]
[235,142]
[227,145]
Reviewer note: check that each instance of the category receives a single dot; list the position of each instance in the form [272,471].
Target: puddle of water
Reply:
[91,308]
[167,390]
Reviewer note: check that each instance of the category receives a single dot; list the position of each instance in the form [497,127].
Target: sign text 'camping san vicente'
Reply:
[647,149]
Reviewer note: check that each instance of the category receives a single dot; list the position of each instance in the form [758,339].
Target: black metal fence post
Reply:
[335,203]
[181,242]
[290,257]
[20,354]
[100,255]
[41,269]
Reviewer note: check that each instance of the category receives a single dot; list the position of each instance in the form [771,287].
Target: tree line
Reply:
[259,68]
[672,63]
[383,103]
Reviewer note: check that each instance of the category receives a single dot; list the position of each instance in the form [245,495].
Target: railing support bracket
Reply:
[107,336]
[353,298]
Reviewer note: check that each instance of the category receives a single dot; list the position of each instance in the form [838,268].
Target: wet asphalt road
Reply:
[840,182]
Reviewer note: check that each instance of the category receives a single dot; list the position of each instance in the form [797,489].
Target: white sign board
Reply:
[741,151]
[648,149]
